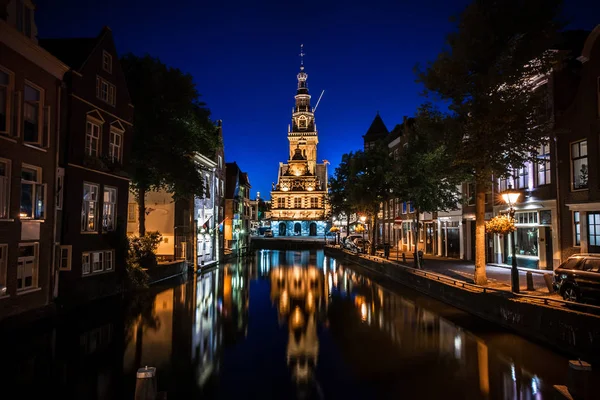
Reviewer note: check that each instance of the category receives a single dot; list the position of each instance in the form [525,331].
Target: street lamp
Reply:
[363,218]
[510,197]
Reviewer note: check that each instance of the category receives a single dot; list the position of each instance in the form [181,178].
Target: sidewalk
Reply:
[498,274]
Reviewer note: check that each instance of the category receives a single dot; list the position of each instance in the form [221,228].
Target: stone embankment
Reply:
[575,331]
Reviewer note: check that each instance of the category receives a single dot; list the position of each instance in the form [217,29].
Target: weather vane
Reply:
[302,54]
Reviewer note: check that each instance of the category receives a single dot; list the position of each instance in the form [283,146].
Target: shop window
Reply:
[579,165]
[527,241]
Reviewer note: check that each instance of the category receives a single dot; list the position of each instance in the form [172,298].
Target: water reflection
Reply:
[285,325]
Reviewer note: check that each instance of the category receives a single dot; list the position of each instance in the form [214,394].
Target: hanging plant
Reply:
[359,229]
[501,225]
[334,229]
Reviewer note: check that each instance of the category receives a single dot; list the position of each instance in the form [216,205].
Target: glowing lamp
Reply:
[510,196]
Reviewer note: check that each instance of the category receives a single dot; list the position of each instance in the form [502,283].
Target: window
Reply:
[115,145]
[504,183]
[302,122]
[27,266]
[32,115]
[108,260]
[85,263]
[526,217]
[411,208]
[107,62]
[314,202]
[131,212]
[594,229]
[281,202]
[60,182]
[220,162]
[5,90]
[4,188]
[3,263]
[95,262]
[105,91]
[579,165]
[89,206]
[577,228]
[65,258]
[470,194]
[24,17]
[92,138]
[403,207]
[544,173]
[297,202]
[522,177]
[109,209]
[33,193]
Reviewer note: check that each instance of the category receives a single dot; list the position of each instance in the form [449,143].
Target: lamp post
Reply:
[363,218]
[510,197]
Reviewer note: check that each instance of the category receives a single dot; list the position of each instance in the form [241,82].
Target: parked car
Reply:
[578,278]
[268,233]
[348,242]
[363,245]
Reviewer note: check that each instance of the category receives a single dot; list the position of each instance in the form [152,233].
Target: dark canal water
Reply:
[286,325]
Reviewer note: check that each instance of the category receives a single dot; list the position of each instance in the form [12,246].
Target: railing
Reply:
[590,308]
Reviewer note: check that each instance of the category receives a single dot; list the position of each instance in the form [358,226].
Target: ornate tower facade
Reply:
[299,199]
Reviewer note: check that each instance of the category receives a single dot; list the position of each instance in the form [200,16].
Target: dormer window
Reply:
[24,17]
[107,62]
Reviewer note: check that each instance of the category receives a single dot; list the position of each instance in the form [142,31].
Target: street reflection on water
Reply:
[282,325]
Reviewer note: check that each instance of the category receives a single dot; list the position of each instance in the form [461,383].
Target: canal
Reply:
[282,325]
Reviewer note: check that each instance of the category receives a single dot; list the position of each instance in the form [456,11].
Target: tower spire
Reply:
[302,54]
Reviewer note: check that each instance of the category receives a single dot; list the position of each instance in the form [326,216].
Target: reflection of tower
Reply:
[298,293]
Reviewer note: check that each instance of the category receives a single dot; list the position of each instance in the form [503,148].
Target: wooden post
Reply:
[578,380]
[145,384]
[530,281]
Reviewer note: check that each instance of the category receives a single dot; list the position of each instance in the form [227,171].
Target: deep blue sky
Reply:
[244,59]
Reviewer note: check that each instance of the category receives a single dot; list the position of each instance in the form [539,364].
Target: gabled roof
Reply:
[72,51]
[377,130]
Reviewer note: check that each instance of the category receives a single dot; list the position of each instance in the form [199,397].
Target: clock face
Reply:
[302,122]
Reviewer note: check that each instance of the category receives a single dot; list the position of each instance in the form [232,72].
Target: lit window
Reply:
[89,207]
[522,177]
[33,193]
[544,174]
[115,145]
[109,209]
[281,202]
[3,263]
[577,228]
[92,139]
[579,165]
[593,229]
[27,266]
[297,202]
[314,202]
[32,115]
[106,62]
[95,262]
[65,258]
[4,188]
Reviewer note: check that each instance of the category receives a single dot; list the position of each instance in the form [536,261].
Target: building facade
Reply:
[299,198]
[95,140]
[238,209]
[30,92]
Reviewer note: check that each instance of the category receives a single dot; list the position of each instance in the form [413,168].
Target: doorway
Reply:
[429,238]
[297,229]
[549,250]
[453,242]
[312,230]
[282,229]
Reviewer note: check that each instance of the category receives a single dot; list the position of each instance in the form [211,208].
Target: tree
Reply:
[424,171]
[339,189]
[171,124]
[487,73]
[371,175]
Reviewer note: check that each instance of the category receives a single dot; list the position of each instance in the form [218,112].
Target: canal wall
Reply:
[167,270]
[286,244]
[568,331]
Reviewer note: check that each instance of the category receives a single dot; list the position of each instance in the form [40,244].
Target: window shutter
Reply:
[46,127]
[16,122]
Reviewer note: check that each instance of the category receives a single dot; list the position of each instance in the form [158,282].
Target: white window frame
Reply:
[40,114]
[90,126]
[9,88]
[112,145]
[572,161]
[85,207]
[280,202]
[297,202]
[314,202]
[3,269]
[65,253]
[106,61]
[542,167]
[20,267]
[106,208]
[521,177]
[5,190]
[97,262]
[105,91]
[132,212]
[37,187]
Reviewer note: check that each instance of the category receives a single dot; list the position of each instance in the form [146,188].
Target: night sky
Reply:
[244,59]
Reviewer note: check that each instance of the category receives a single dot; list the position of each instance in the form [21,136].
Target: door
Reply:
[282,229]
[312,229]
[549,250]
[453,242]
[297,229]
[429,238]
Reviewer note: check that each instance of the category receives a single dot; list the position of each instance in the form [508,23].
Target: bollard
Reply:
[145,384]
[548,280]
[404,258]
[529,276]
[578,380]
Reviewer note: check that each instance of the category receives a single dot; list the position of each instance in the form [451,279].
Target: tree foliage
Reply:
[171,124]
[490,73]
